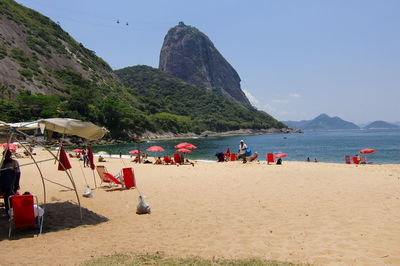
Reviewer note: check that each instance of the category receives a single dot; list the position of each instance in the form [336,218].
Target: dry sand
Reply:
[320,213]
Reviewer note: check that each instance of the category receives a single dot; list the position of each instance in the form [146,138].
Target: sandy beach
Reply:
[319,213]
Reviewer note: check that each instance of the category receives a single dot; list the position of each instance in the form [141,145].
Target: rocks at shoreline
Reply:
[170,135]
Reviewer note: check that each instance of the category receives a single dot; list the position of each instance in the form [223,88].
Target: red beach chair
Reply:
[105,176]
[177,158]
[167,160]
[233,157]
[270,158]
[355,160]
[23,212]
[129,177]
[347,159]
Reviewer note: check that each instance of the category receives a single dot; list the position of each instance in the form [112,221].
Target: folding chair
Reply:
[270,158]
[355,160]
[233,157]
[347,159]
[167,160]
[105,176]
[129,178]
[177,158]
[25,212]
[363,160]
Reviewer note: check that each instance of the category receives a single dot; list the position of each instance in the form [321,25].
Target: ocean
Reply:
[325,146]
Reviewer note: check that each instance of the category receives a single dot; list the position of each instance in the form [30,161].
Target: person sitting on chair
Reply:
[9,177]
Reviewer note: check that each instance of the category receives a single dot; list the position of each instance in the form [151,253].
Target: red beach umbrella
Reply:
[367,151]
[184,150]
[134,152]
[155,148]
[77,150]
[11,146]
[280,155]
[185,145]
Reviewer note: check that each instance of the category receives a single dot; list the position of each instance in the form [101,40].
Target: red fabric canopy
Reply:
[185,145]
[280,155]
[64,162]
[184,150]
[367,151]
[134,152]
[11,146]
[155,148]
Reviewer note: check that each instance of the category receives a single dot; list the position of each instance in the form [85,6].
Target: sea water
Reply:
[325,146]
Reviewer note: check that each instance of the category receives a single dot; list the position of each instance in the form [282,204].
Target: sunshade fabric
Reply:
[67,126]
[70,126]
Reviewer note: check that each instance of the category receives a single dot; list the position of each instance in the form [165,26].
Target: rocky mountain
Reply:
[190,55]
[322,122]
[381,125]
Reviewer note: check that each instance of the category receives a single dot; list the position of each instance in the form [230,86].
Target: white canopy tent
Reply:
[67,126]
[62,125]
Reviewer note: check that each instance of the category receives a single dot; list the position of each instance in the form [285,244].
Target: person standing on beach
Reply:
[242,151]
[85,155]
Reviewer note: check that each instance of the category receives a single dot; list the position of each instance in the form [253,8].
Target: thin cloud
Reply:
[294,95]
[251,98]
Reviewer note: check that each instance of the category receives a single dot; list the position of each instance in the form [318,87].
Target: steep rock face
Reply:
[190,55]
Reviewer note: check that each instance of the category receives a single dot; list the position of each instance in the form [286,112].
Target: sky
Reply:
[297,59]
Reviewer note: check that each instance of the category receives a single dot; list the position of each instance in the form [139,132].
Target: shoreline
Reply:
[150,136]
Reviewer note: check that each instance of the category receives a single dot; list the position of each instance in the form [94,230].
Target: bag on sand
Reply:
[143,207]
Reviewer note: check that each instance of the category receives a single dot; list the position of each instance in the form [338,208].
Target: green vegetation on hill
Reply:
[203,109]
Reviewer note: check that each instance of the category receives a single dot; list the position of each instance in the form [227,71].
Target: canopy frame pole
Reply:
[37,166]
[65,170]
[94,179]
[59,146]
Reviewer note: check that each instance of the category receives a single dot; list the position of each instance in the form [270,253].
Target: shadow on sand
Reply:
[58,216]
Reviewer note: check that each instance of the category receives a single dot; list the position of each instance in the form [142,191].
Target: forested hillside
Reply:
[203,109]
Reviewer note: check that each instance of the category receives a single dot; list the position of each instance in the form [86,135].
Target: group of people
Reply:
[244,153]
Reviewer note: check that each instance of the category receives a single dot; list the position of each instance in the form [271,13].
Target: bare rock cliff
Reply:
[190,55]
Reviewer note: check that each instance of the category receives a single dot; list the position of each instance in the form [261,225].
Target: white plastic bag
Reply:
[88,193]
[143,207]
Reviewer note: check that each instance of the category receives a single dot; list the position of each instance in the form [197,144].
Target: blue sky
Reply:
[296,59]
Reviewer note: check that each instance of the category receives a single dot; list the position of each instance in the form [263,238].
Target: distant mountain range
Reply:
[322,122]
[381,125]
[325,122]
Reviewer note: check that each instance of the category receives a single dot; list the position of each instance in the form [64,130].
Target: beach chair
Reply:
[270,158]
[167,160]
[355,160]
[233,157]
[347,159]
[25,212]
[177,158]
[105,176]
[363,160]
[129,177]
